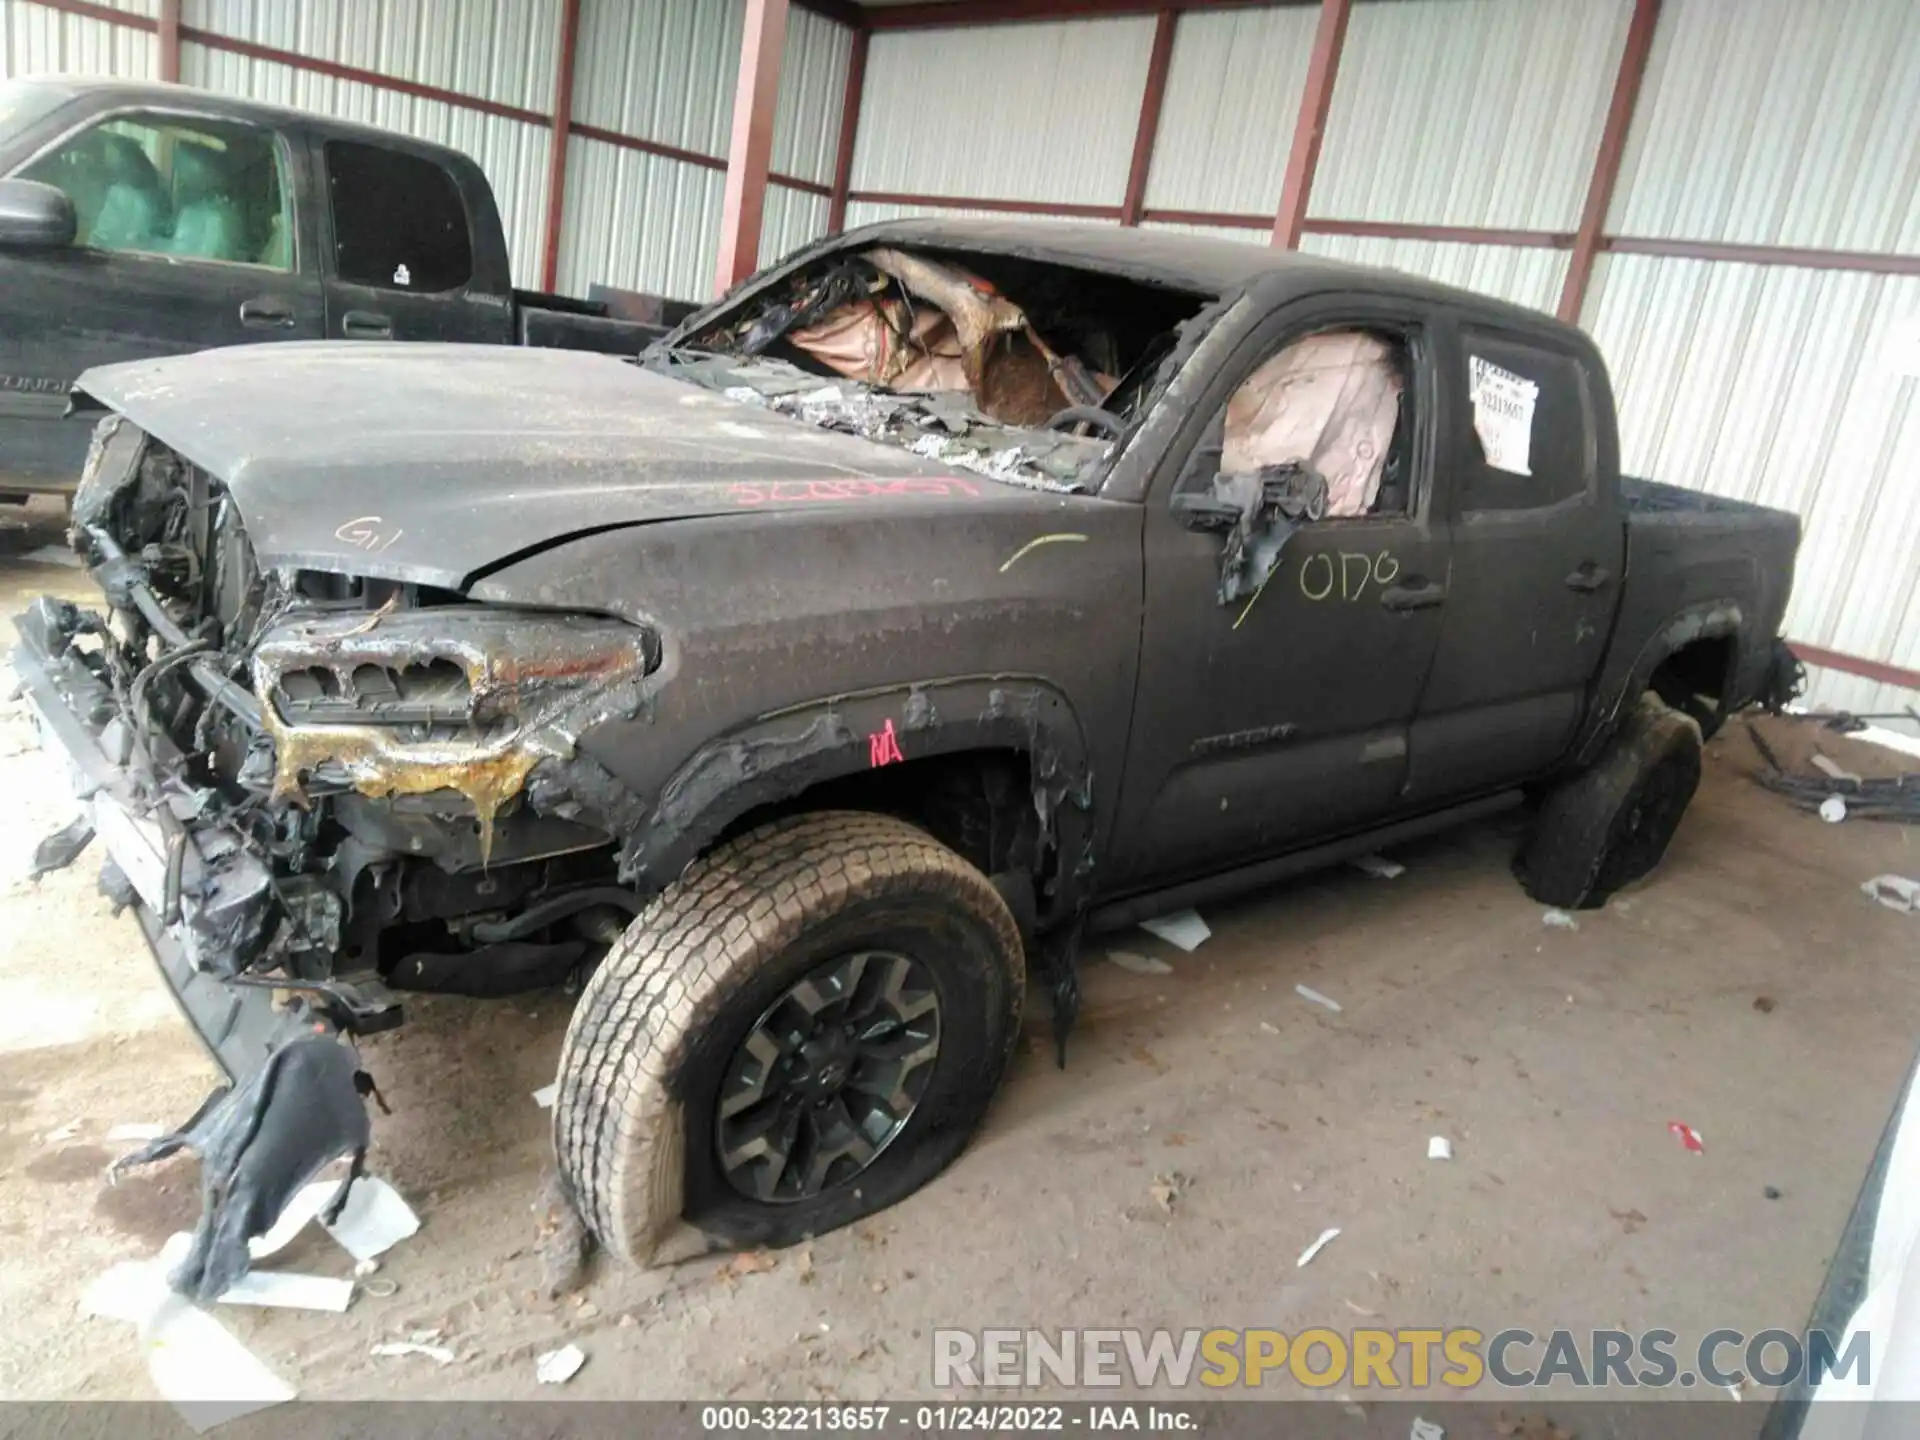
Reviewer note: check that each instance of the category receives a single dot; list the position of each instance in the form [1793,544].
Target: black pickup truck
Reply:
[943,595]
[140,220]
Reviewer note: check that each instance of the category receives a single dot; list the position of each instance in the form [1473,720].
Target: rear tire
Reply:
[672,1049]
[1611,824]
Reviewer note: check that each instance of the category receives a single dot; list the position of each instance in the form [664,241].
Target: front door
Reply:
[186,240]
[1281,715]
[403,250]
[1538,555]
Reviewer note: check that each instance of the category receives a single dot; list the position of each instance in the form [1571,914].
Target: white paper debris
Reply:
[1833,809]
[133,1290]
[1832,768]
[207,1375]
[1267,1028]
[1378,866]
[1183,928]
[1439,1148]
[1559,920]
[138,1130]
[1306,1255]
[556,1367]
[546,1095]
[290,1292]
[1896,892]
[307,1202]
[1425,1430]
[1139,964]
[374,1219]
[1502,414]
[195,1361]
[1306,993]
[439,1354]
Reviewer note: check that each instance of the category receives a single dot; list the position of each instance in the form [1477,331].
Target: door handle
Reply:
[366,325]
[1589,577]
[266,313]
[1415,595]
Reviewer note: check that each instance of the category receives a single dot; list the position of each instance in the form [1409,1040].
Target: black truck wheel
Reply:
[803,1029]
[1609,825]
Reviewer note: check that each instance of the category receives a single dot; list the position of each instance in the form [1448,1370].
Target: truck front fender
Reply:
[780,755]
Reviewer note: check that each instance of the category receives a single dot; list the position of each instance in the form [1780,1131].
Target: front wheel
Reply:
[804,1029]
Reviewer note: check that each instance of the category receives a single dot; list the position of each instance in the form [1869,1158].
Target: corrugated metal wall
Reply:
[1226,120]
[1027,112]
[661,70]
[37,41]
[1790,123]
[664,70]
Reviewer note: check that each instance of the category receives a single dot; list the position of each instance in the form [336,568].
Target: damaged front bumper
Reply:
[198,891]
[294,1101]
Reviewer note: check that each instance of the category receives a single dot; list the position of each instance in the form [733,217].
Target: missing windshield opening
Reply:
[1014,368]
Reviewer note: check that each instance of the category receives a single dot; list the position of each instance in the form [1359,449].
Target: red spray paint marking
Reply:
[883,747]
[1689,1136]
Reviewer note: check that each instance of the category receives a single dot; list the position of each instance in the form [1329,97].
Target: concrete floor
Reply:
[1553,1059]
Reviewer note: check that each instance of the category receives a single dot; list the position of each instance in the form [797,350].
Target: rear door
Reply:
[1538,553]
[1282,717]
[188,238]
[407,256]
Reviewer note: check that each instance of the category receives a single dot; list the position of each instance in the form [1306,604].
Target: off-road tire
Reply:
[663,1014]
[1610,825]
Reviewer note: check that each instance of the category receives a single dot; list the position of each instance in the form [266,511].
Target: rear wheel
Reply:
[1611,824]
[802,1030]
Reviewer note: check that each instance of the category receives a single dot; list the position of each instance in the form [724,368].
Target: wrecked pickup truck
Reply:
[944,594]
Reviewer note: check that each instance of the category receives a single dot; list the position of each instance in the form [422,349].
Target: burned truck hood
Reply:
[436,463]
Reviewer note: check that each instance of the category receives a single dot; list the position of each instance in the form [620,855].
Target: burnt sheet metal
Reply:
[258,1145]
[782,754]
[463,700]
[61,848]
[416,462]
[942,426]
[1259,510]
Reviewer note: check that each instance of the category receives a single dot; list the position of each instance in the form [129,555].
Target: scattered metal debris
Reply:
[1139,964]
[1439,1148]
[556,1367]
[1184,929]
[1893,798]
[1306,1255]
[1308,993]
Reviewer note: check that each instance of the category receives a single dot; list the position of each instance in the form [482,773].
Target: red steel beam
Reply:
[557,147]
[1158,63]
[943,13]
[1606,163]
[1447,234]
[1871,262]
[1311,126]
[1854,665]
[1000,207]
[750,150]
[169,37]
[842,12]
[849,129]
